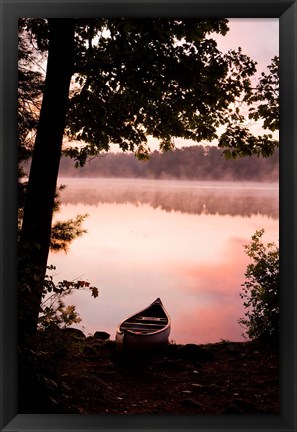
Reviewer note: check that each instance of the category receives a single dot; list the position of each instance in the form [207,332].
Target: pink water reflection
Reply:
[134,252]
[214,305]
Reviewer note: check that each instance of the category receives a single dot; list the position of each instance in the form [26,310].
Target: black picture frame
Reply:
[286,11]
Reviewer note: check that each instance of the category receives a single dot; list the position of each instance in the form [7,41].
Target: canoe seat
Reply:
[144,318]
[141,326]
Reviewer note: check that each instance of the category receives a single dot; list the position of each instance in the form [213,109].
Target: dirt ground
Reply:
[86,375]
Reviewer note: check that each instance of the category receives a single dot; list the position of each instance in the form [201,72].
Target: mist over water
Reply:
[192,197]
[178,240]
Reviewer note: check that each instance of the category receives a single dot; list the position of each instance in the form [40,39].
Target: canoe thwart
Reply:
[136,325]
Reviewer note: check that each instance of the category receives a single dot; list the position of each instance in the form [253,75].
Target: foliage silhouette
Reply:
[54,313]
[261,290]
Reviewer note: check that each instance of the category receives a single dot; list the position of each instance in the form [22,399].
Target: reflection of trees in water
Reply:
[234,202]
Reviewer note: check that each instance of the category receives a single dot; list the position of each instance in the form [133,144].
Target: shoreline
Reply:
[86,375]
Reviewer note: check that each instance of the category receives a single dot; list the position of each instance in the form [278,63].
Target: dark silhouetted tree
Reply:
[35,234]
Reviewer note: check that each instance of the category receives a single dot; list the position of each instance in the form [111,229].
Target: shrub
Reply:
[260,292]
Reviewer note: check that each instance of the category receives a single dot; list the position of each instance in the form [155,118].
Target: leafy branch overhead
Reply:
[165,78]
[237,140]
[159,78]
[268,97]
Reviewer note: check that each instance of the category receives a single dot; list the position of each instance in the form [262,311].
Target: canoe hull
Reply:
[141,334]
[129,343]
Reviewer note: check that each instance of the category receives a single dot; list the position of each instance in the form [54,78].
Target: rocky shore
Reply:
[66,372]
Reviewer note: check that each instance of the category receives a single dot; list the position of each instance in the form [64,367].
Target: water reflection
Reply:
[181,241]
[227,198]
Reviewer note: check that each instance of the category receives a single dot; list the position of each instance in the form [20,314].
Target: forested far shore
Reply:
[188,163]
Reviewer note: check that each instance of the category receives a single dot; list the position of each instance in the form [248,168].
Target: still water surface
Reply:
[181,241]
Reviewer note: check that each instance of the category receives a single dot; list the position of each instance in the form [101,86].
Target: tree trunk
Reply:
[36,229]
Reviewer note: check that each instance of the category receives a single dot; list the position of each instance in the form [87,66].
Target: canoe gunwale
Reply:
[138,333]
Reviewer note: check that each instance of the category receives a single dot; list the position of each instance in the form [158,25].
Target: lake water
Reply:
[181,241]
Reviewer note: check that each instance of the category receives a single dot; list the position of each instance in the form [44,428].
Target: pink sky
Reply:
[258,38]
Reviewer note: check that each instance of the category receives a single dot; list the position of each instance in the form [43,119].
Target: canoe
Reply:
[145,330]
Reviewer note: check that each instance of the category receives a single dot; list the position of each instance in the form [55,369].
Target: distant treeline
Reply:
[188,163]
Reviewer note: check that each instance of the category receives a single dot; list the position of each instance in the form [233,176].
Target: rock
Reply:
[194,352]
[246,406]
[210,389]
[239,406]
[167,365]
[191,403]
[90,351]
[152,411]
[232,409]
[197,387]
[213,388]
[60,353]
[233,352]
[101,335]
[74,332]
